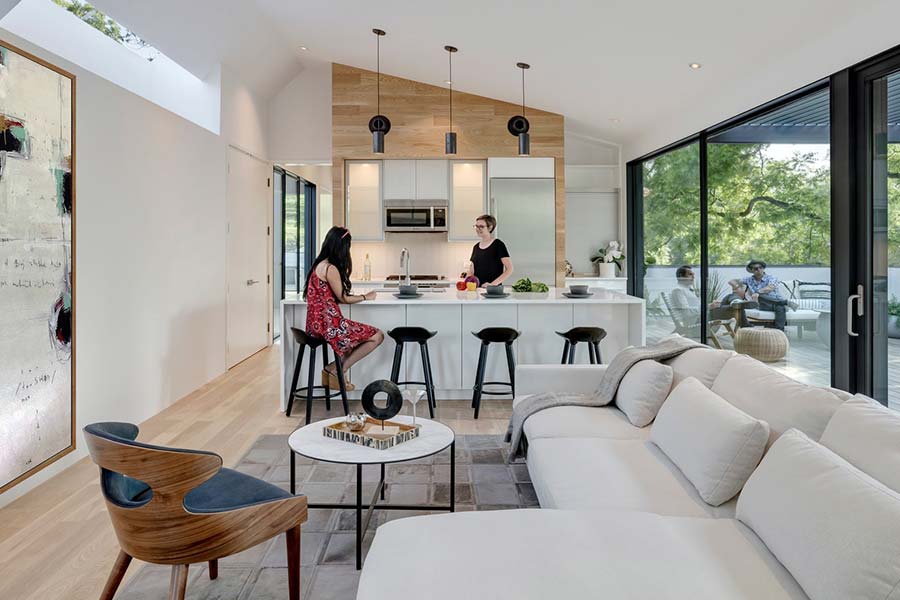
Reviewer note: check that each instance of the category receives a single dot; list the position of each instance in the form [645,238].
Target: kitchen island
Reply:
[454,350]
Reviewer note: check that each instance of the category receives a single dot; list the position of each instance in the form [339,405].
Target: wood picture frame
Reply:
[64,174]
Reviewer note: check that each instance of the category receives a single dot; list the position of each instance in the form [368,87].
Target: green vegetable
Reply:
[522,285]
[526,285]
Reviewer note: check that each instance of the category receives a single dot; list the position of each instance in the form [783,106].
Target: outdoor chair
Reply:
[687,322]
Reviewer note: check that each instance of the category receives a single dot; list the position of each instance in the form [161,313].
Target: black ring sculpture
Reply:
[394,399]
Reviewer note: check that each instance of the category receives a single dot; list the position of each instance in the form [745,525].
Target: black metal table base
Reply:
[362,524]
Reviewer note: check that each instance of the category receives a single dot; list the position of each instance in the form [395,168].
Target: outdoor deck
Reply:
[808,359]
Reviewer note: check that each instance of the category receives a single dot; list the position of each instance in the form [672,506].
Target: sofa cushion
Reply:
[834,528]
[791,316]
[540,554]
[867,435]
[643,390]
[582,421]
[702,363]
[594,473]
[780,401]
[715,445]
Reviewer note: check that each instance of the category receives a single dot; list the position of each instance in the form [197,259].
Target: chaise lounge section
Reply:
[620,519]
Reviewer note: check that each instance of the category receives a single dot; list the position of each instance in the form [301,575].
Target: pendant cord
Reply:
[450,58]
[378,70]
[523,92]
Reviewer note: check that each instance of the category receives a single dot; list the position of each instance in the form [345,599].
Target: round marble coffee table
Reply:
[309,441]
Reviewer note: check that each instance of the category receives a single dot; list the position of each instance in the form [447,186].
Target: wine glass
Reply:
[413,396]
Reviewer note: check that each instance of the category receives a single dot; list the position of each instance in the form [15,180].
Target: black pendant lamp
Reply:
[518,125]
[450,136]
[379,125]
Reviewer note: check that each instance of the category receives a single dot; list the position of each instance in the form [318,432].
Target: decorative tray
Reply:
[372,435]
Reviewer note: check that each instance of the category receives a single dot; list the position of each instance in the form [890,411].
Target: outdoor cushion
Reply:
[775,398]
[541,554]
[643,390]
[594,473]
[702,363]
[229,490]
[834,528]
[582,421]
[714,444]
[867,435]
[801,314]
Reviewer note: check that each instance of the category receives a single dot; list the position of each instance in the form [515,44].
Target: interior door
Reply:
[247,321]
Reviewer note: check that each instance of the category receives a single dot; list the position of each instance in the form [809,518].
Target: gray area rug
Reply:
[484,482]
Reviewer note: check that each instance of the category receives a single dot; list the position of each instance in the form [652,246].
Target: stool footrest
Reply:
[300,393]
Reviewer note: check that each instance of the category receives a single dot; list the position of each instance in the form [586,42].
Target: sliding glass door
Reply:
[732,230]
[294,239]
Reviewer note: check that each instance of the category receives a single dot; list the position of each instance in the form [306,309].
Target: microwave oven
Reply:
[415,218]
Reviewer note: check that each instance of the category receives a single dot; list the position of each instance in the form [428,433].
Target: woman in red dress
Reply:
[327,285]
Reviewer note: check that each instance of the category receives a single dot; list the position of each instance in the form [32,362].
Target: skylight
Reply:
[110,28]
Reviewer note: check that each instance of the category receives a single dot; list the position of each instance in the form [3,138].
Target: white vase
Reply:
[606,270]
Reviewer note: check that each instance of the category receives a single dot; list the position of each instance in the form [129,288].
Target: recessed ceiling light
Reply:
[615,120]
[303,48]
[448,82]
[695,66]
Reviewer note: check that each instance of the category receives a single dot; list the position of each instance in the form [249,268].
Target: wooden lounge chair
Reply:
[687,323]
[171,506]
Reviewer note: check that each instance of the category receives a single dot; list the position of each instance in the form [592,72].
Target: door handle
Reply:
[252,282]
[858,298]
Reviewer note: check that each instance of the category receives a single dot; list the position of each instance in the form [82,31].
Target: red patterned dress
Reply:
[324,319]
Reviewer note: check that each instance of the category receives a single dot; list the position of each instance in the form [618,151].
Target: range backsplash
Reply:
[431,254]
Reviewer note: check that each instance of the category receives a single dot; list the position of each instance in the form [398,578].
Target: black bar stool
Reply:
[420,336]
[304,340]
[590,335]
[488,336]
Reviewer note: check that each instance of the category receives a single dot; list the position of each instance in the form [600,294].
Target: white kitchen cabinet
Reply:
[432,180]
[399,179]
[363,204]
[385,317]
[445,348]
[539,344]
[468,198]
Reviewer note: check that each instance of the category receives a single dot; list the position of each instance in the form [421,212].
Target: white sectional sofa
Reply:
[619,519]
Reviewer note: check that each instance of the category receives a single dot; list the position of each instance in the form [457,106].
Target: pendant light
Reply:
[518,125]
[379,125]
[450,136]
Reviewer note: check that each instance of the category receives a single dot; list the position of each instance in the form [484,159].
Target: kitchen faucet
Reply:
[404,259]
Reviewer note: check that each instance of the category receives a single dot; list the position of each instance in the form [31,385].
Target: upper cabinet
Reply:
[363,199]
[468,198]
[416,180]
[431,180]
[399,179]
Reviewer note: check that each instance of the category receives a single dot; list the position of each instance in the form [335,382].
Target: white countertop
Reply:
[452,296]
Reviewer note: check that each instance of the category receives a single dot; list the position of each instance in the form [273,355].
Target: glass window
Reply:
[671,219]
[769,200]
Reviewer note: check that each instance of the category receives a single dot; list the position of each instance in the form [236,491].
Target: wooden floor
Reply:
[57,541]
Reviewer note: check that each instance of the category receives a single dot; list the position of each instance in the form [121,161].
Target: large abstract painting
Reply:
[37,177]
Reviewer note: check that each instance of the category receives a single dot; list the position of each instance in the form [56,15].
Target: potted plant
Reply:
[893,309]
[607,259]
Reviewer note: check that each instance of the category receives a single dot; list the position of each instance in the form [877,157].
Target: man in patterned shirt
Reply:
[764,289]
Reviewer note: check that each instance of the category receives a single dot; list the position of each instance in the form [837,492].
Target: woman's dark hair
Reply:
[490,221]
[336,250]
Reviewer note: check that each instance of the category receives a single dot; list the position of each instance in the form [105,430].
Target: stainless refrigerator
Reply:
[526,222]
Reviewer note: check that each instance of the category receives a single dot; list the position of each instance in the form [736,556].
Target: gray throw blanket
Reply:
[669,347]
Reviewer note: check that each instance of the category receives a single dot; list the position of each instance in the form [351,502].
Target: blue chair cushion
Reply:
[228,490]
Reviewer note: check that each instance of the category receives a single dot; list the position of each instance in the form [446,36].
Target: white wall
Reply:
[150,249]
[245,116]
[300,117]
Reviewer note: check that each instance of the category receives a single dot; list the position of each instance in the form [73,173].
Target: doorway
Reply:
[247,282]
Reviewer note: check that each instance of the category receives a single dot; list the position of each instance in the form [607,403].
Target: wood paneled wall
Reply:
[419,117]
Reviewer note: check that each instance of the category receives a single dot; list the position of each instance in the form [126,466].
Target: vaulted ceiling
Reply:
[616,69]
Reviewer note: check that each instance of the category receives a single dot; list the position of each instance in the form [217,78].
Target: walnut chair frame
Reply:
[157,527]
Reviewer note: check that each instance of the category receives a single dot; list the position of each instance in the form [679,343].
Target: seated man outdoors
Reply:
[764,289]
[738,297]
[686,299]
